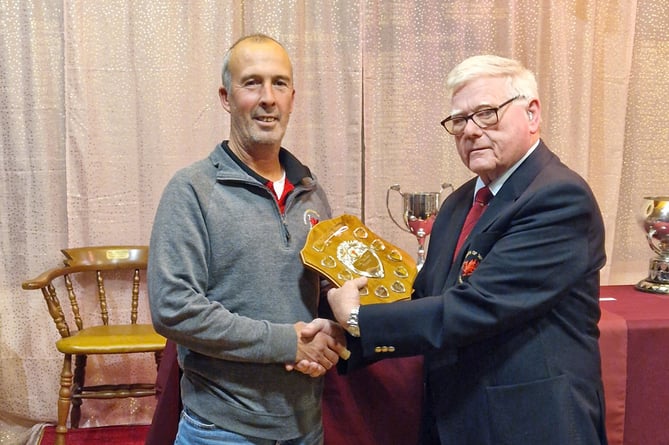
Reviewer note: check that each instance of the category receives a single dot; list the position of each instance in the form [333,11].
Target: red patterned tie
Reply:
[481,200]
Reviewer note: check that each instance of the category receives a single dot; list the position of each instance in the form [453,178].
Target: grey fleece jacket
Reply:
[226,283]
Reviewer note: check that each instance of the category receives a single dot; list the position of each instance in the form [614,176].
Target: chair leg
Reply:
[158,356]
[79,382]
[64,397]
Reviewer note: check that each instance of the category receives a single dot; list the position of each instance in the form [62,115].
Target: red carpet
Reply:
[108,435]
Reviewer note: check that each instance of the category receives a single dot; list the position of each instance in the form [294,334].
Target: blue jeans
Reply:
[194,430]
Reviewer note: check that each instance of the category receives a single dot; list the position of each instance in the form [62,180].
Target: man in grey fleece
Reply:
[226,282]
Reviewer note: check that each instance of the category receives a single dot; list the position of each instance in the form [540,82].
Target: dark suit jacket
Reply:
[509,330]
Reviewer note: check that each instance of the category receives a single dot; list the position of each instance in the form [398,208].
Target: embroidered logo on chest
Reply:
[469,265]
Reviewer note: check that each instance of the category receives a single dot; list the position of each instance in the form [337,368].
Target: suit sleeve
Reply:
[531,257]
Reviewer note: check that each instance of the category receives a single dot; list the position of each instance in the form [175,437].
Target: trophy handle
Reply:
[445,186]
[395,187]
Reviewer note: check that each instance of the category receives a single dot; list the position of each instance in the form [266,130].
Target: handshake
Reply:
[321,343]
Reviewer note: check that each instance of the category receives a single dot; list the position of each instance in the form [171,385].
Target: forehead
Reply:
[260,58]
[477,92]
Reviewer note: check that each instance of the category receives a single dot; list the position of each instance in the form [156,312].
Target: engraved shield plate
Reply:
[343,248]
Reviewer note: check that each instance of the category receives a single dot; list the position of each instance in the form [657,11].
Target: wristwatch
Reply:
[352,325]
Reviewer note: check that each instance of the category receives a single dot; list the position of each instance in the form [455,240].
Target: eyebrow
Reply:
[284,77]
[481,106]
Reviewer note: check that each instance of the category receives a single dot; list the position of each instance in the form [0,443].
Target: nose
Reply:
[471,129]
[267,94]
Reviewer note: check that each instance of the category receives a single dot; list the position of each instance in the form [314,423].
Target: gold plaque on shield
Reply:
[343,248]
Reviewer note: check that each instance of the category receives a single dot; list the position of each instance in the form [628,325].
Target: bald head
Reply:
[231,58]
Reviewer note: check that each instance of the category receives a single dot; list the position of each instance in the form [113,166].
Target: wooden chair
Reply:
[81,280]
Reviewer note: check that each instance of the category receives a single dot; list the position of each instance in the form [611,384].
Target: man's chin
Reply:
[481,166]
[267,138]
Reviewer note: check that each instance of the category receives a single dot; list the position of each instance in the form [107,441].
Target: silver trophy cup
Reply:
[656,226]
[420,211]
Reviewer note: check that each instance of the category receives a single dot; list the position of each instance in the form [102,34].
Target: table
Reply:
[376,405]
[381,404]
[635,365]
[634,345]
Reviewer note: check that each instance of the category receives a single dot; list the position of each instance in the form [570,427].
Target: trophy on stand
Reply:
[420,211]
[656,226]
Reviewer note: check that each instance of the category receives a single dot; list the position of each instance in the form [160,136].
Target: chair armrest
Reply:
[44,279]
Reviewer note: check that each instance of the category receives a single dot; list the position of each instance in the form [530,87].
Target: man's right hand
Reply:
[318,352]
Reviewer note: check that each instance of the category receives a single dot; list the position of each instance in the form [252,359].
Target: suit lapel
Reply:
[437,269]
[462,209]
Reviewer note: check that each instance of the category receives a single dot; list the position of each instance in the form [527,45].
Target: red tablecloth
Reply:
[634,332]
[380,404]
[376,405]
[637,362]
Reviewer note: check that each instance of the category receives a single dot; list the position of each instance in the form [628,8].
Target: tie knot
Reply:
[483,196]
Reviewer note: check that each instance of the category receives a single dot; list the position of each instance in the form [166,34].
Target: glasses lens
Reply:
[456,125]
[483,118]
[486,117]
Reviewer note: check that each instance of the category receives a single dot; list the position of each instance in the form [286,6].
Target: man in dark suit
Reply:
[507,322]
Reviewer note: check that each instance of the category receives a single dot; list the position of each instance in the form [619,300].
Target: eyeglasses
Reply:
[484,118]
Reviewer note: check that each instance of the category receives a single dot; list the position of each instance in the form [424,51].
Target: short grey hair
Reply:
[520,80]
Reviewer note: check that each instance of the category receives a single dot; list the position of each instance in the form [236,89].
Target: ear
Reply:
[534,115]
[223,96]
[292,101]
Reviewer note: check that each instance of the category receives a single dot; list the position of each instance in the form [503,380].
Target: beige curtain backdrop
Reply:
[101,102]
